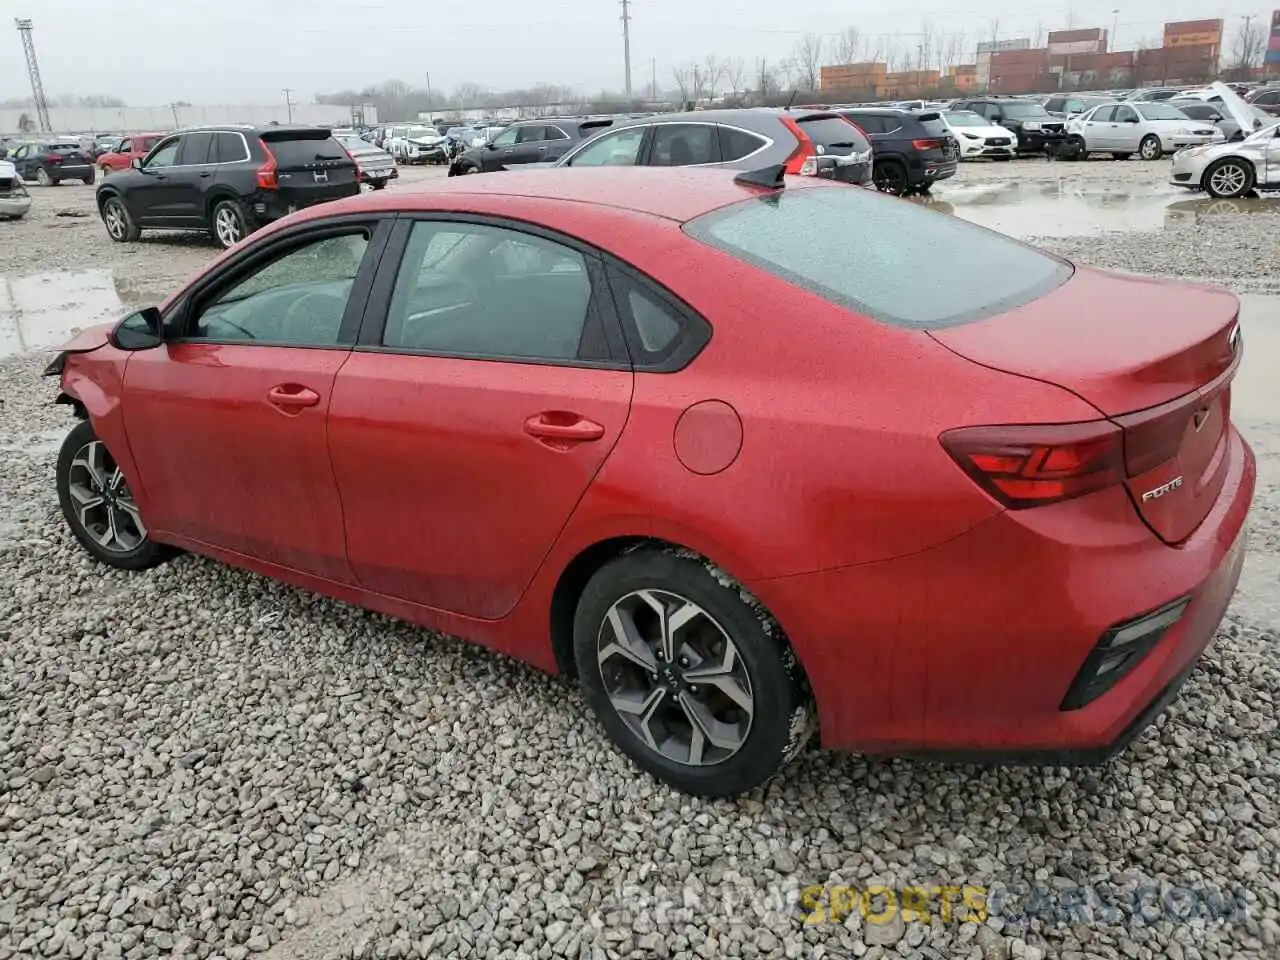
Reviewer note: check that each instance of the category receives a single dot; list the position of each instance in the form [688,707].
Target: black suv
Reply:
[49,162]
[528,141]
[913,149]
[226,180]
[1037,130]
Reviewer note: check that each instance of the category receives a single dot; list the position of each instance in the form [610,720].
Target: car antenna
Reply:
[771,178]
[794,94]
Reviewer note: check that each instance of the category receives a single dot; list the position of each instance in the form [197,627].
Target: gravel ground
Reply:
[199,762]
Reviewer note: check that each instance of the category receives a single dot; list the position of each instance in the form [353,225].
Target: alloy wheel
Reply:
[101,501]
[227,225]
[675,678]
[43,178]
[1229,179]
[1150,149]
[114,216]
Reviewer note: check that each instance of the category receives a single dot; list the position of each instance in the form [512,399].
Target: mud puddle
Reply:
[1081,209]
[41,311]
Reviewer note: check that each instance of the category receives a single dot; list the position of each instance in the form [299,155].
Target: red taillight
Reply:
[267,172]
[1033,465]
[804,149]
[53,157]
[926,144]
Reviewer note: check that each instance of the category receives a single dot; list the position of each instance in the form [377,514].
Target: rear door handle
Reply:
[292,397]
[564,427]
[205,173]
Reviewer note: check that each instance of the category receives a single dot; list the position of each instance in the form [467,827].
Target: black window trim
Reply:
[650,142]
[177,319]
[695,333]
[373,320]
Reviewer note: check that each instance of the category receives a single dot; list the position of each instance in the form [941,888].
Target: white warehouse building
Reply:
[74,120]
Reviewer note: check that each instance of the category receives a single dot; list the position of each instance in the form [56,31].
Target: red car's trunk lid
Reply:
[1155,357]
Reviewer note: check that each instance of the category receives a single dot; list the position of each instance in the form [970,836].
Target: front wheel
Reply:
[1150,148]
[120,226]
[98,506]
[890,177]
[689,679]
[378,184]
[230,225]
[1228,178]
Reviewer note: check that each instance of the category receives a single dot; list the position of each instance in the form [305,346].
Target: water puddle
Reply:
[1075,209]
[45,310]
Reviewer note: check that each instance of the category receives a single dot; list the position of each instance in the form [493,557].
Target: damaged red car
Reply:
[652,429]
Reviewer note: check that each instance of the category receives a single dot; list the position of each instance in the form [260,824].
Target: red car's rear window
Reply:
[886,258]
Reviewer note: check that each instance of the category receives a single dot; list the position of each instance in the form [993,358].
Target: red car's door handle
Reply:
[292,396]
[564,427]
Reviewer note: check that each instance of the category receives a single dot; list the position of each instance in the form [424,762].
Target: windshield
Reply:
[972,272]
[1160,111]
[965,118]
[417,133]
[1022,109]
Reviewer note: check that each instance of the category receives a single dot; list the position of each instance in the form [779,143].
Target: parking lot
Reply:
[197,761]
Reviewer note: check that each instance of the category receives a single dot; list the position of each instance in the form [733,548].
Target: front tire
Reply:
[98,506]
[378,184]
[230,225]
[1228,179]
[120,226]
[1150,148]
[691,681]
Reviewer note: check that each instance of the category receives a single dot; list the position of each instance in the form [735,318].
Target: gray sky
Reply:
[152,52]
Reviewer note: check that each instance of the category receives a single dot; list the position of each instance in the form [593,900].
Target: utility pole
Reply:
[1248,35]
[33,72]
[653,77]
[626,43]
[288,102]
[1112,46]
[428,96]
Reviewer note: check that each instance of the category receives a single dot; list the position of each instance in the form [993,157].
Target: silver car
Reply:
[14,199]
[1231,169]
[375,166]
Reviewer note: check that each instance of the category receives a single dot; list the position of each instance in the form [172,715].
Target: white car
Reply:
[418,145]
[1231,169]
[979,137]
[1149,129]
[14,199]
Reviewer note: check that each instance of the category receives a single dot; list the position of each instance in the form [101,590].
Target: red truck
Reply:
[131,148]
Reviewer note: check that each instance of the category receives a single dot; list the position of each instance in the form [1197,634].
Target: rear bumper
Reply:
[967,650]
[268,205]
[14,206]
[72,171]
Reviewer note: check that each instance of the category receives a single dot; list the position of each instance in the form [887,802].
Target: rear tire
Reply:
[230,225]
[726,704]
[88,181]
[890,177]
[120,226]
[43,178]
[378,184]
[98,506]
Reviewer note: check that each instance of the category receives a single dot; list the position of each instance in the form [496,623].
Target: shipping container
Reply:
[999,46]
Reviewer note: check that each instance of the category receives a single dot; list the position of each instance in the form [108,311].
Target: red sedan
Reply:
[131,148]
[749,460]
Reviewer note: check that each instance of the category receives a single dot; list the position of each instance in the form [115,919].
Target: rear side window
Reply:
[934,127]
[834,135]
[870,122]
[684,144]
[736,144]
[914,267]
[300,150]
[195,149]
[228,148]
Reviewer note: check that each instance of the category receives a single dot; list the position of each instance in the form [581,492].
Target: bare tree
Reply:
[766,79]
[925,47]
[735,74]
[683,77]
[712,74]
[848,45]
[1248,46]
[896,56]
[952,49]
[807,61]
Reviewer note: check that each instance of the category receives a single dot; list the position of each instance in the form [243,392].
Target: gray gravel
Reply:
[199,762]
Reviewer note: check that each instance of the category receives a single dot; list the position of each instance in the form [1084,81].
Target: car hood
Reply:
[991,131]
[1235,106]
[425,141]
[88,339]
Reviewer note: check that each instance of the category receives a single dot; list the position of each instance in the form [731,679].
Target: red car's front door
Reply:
[227,422]
[468,427]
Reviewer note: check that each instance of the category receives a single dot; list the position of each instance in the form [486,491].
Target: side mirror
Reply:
[491,145]
[138,331]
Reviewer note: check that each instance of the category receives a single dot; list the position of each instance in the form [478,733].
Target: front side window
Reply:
[506,138]
[165,155]
[125,146]
[533,133]
[1126,115]
[683,144]
[475,290]
[972,272]
[1102,115]
[297,299]
[617,149]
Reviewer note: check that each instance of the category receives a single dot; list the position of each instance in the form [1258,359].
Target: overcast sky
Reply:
[153,52]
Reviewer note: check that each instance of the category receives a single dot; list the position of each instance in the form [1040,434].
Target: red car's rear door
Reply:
[227,421]
[485,394]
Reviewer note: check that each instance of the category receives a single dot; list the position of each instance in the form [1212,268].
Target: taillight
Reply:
[53,157]
[267,172]
[926,144]
[1033,465]
[804,158]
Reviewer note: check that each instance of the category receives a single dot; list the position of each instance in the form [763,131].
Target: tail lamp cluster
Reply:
[266,174]
[1033,465]
[805,161]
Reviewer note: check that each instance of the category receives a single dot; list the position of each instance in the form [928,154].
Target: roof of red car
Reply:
[673,193]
